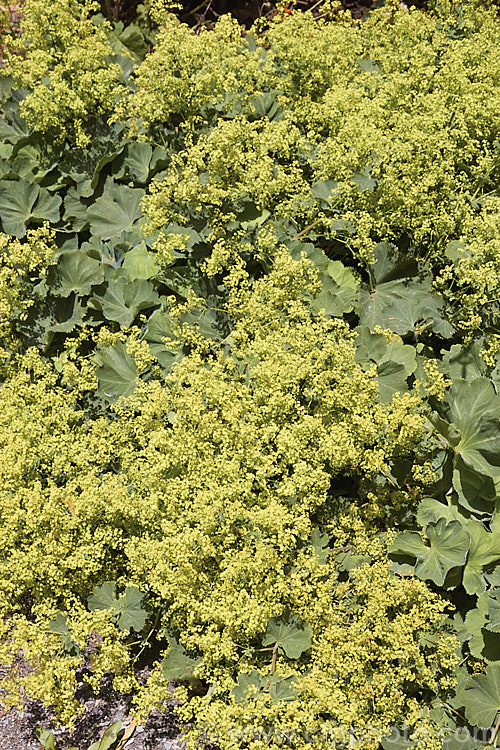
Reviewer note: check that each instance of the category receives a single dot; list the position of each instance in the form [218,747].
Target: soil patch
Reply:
[160,732]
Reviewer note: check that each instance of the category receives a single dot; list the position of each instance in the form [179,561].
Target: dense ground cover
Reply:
[249,296]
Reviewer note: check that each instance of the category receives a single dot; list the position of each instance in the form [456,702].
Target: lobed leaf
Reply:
[448,547]
[293,636]
[481,697]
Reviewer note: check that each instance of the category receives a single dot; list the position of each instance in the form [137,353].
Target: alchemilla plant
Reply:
[249,332]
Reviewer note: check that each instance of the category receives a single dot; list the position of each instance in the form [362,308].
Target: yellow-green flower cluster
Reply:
[50,671]
[367,661]
[208,487]
[187,72]
[202,491]
[241,160]
[63,59]
[403,103]
[20,262]
[471,283]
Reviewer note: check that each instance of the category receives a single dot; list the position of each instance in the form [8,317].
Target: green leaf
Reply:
[160,159]
[68,324]
[395,361]
[123,300]
[107,157]
[476,491]
[342,225]
[59,626]
[83,186]
[75,212]
[177,665]
[484,550]
[205,320]
[139,263]
[461,631]
[483,643]
[128,42]
[108,738]
[484,546]
[46,738]
[448,547]
[494,611]
[364,180]
[371,347]
[116,212]
[390,264]
[283,688]
[391,377]
[249,685]
[350,561]
[252,217]
[127,608]
[464,362]
[108,254]
[325,190]
[340,287]
[22,201]
[320,544]
[180,279]
[403,354]
[456,250]
[403,306]
[481,697]
[77,273]
[26,162]
[475,413]
[138,159]
[266,105]
[460,741]
[369,66]
[117,372]
[344,291]
[396,742]
[14,130]
[133,39]
[161,339]
[254,684]
[103,597]
[471,429]
[474,622]
[132,615]
[47,207]
[292,635]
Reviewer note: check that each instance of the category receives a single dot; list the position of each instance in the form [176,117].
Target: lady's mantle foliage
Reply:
[63,59]
[203,492]
[249,326]
[401,139]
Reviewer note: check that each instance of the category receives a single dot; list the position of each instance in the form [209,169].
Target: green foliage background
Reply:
[249,334]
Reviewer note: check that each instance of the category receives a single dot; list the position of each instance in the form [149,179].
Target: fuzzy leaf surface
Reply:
[481,697]
[77,273]
[139,263]
[115,212]
[22,201]
[448,547]
[292,635]
[116,372]
[123,300]
[177,665]
[127,608]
